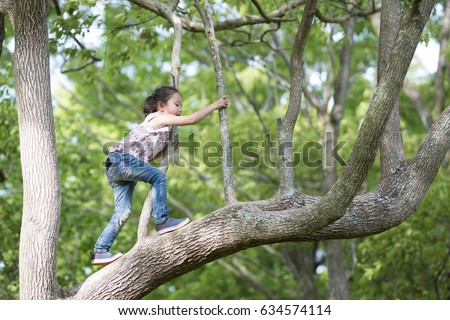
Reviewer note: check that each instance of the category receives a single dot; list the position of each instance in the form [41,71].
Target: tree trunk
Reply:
[338,287]
[41,187]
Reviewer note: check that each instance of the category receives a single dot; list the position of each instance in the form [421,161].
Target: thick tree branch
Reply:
[228,180]
[386,94]
[434,147]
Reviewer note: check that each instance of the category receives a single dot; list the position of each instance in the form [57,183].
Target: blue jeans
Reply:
[123,174]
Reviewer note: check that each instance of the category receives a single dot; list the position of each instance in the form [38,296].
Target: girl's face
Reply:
[173,105]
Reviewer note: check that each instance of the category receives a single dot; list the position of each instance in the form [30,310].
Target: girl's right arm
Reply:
[173,120]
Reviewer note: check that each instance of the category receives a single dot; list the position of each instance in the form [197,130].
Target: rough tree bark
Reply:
[40,220]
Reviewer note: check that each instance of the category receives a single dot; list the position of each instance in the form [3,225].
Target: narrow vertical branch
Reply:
[286,126]
[167,153]
[228,180]
[391,144]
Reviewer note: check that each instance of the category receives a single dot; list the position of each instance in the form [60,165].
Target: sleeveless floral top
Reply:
[144,142]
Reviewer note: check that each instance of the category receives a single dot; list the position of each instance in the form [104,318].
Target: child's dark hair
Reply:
[163,94]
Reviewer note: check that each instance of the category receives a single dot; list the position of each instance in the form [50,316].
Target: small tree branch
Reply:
[355,12]
[229,190]
[163,11]
[155,6]
[286,126]
[265,16]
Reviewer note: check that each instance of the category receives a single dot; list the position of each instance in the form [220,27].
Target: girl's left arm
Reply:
[173,120]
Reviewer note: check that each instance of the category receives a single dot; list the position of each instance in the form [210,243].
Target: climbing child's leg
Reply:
[138,170]
[123,195]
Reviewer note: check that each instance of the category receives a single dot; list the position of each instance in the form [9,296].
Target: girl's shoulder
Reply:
[152,126]
[151,116]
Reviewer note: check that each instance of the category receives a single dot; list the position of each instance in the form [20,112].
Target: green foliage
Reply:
[410,261]
[10,199]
